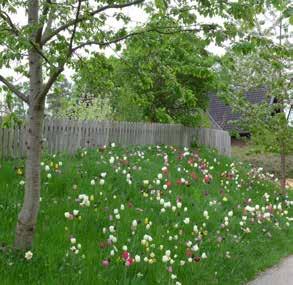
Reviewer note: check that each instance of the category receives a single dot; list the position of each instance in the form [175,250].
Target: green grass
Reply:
[53,261]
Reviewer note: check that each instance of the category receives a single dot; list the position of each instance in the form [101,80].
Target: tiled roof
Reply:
[222,112]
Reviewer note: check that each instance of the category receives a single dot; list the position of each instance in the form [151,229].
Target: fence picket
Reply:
[71,135]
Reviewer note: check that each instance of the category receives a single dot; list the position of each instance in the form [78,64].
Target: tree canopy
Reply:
[169,75]
[164,77]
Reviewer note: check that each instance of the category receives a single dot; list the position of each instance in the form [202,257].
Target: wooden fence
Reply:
[70,135]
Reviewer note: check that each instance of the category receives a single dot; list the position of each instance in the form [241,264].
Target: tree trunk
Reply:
[27,218]
[283,169]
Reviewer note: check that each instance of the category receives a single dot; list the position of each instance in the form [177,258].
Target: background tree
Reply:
[264,61]
[40,49]
[169,76]
[159,77]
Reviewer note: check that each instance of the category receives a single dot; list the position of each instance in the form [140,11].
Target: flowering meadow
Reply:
[146,215]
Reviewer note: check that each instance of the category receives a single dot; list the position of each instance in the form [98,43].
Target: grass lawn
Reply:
[145,215]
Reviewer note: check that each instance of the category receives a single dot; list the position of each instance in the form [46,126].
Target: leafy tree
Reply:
[165,77]
[168,74]
[264,61]
[40,49]
[93,77]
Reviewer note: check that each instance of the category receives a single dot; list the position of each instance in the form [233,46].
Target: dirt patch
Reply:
[269,161]
[238,142]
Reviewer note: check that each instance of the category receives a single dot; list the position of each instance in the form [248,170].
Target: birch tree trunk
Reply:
[27,218]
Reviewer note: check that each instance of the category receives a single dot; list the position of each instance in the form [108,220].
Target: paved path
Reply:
[281,274]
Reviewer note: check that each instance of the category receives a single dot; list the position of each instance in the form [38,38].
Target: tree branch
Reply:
[74,28]
[113,41]
[51,80]
[40,52]
[107,42]
[8,20]
[14,89]
[83,18]
[44,14]
[49,24]
[60,69]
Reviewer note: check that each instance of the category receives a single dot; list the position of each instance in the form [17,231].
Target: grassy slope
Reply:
[250,252]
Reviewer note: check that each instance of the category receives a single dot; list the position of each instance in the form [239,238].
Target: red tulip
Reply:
[129,261]
[207,179]
[125,255]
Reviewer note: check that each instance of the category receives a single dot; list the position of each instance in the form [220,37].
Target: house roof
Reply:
[222,113]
